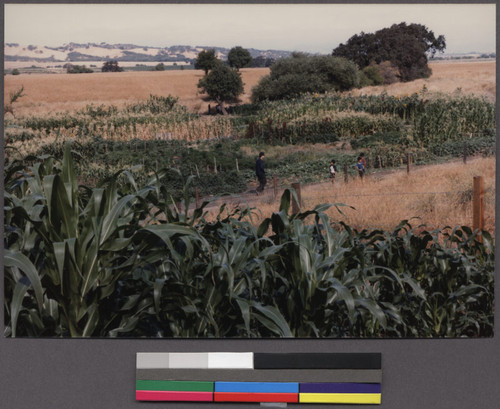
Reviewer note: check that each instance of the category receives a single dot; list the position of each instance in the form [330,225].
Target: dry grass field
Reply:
[383,199]
[428,192]
[471,77]
[46,93]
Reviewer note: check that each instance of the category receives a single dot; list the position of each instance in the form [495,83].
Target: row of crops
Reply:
[221,150]
[117,259]
[421,120]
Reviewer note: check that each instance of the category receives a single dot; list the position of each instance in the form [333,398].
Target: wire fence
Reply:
[392,194]
[326,192]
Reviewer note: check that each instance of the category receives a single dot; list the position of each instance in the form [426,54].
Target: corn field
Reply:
[119,259]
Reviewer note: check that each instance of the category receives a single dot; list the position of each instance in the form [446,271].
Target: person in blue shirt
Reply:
[260,172]
[360,167]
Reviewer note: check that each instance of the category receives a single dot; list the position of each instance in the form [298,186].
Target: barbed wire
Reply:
[396,194]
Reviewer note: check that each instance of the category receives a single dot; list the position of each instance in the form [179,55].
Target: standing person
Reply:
[362,156]
[333,170]
[260,172]
[360,167]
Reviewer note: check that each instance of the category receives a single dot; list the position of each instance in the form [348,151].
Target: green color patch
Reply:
[174,386]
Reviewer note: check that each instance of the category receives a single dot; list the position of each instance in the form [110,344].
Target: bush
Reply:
[475,146]
[15,71]
[373,75]
[388,71]
[299,74]
[154,105]
[78,69]
[111,66]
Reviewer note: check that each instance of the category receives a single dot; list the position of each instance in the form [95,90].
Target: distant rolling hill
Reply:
[74,52]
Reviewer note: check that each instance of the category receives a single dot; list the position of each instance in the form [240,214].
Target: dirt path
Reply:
[251,199]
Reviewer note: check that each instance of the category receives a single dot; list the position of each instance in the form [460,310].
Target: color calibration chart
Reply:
[336,378]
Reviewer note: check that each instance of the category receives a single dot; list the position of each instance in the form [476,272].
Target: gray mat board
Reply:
[265,375]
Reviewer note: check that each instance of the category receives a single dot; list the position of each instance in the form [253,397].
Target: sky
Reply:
[312,28]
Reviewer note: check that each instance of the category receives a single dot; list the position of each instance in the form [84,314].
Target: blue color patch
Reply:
[257,387]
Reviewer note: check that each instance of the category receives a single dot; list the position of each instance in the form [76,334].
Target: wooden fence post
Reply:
[478,205]
[237,167]
[296,203]
[465,152]
[407,163]
[275,185]
[345,173]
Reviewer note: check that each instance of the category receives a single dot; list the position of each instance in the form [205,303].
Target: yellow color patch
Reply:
[369,398]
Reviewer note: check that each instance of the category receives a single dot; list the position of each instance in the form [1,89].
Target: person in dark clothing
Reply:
[260,172]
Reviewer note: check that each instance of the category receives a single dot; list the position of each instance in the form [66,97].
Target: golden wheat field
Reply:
[471,77]
[46,93]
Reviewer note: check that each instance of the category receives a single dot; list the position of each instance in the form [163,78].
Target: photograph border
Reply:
[100,373]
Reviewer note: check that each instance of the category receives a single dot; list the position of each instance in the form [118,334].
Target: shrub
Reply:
[111,66]
[299,74]
[373,75]
[388,71]
[78,69]
[15,71]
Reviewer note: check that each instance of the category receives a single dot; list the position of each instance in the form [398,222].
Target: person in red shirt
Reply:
[363,161]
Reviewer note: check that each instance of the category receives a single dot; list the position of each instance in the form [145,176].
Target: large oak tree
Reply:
[405,46]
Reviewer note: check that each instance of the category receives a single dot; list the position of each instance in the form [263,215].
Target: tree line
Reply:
[397,53]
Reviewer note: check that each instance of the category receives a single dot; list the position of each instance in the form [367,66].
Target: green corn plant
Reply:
[121,259]
[82,248]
